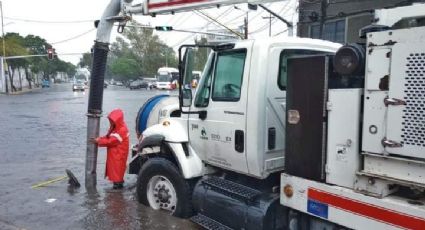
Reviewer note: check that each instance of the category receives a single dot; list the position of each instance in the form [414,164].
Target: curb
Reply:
[24,91]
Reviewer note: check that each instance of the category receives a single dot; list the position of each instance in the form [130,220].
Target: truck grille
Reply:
[413,132]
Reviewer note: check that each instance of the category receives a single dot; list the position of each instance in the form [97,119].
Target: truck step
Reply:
[208,223]
[231,188]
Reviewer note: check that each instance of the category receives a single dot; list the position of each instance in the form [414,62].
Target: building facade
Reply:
[339,20]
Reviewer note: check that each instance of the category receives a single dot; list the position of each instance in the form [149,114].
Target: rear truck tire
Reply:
[160,185]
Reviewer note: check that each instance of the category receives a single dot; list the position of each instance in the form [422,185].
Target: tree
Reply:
[14,44]
[201,54]
[70,69]
[147,49]
[37,46]
[86,61]
[153,52]
[125,68]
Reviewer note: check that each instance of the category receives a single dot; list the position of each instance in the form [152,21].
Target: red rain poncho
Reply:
[118,145]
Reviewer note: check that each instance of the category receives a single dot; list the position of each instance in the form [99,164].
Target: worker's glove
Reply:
[93,140]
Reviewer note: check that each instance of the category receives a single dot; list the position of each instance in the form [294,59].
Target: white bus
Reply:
[165,77]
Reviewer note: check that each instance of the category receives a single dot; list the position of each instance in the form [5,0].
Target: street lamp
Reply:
[245,21]
[4,49]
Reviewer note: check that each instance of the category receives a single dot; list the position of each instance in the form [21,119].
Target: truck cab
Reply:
[232,124]
[242,94]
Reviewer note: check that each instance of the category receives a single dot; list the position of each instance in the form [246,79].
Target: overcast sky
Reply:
[67,24]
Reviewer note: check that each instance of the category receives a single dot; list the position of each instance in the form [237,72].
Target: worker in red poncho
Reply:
[116,140]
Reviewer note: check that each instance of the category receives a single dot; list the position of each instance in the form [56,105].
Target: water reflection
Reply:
[117,209]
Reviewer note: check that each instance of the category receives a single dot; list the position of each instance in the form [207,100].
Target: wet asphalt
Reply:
[42,133]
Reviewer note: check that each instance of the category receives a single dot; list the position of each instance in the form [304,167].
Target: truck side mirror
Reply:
[186,87]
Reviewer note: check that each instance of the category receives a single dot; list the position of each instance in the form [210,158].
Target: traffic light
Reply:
[164,28]
[50,53]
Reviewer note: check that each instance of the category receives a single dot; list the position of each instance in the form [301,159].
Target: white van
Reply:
[165,77]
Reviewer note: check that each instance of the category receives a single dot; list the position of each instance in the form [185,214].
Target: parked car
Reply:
[139,84]
[105,85]
[78,86]
[45,83]
[119,83]
[151,82]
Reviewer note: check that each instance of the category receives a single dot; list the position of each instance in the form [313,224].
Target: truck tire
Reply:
[160,185]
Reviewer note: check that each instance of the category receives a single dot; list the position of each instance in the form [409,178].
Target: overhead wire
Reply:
[281,32]
[74,37]
[218,23]
[207,24]
[274,20]
[267,24]
[181,20]
[173,17]
[250,19]
[259,13]
[311,1]
[48,22]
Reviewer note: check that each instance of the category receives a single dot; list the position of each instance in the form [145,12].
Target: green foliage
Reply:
[86,61]
[140,53]
[125,68]
[16,45]
[201,54]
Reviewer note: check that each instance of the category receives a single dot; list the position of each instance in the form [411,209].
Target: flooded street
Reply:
[43,133]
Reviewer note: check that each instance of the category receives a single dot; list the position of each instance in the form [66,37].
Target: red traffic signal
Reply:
[50,53]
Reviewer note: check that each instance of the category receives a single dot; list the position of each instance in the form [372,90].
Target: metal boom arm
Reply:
[100,53]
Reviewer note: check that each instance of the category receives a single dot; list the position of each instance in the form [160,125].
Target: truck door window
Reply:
[228,75]
[203,93]
[283,63]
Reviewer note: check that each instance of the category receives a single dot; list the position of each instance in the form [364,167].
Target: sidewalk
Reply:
[24,91]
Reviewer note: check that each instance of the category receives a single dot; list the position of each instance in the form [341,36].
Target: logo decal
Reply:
[204,134]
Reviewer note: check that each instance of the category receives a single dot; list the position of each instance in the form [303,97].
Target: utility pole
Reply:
[3,75]
[245,21]
[246,26]
[270,24]
[288,24]
[323,9]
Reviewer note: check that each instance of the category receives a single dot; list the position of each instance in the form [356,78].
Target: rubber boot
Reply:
[118,185]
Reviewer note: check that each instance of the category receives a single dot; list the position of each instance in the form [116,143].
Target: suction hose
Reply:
[100,54]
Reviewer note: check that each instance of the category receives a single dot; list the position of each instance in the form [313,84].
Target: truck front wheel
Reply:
[161,186]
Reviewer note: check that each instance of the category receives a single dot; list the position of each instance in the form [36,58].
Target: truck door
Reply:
[220,138]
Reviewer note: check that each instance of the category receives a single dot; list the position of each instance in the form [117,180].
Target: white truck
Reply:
[348,142]
[295,133]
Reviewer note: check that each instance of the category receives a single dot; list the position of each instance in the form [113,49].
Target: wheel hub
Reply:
[161,194]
